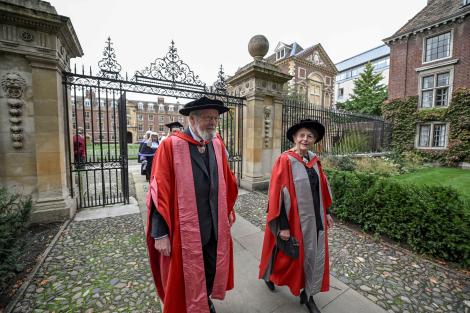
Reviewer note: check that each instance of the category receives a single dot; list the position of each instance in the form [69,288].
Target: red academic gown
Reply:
[179,278]
[285,270]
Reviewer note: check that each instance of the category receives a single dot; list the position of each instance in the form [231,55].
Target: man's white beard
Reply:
[207,135]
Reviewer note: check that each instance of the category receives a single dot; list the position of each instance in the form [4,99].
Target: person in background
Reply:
[173,127]
[142,144]
[299,200]
[148,151]
[79,149]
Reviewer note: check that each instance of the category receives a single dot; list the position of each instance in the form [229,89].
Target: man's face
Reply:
[206,123]
[175,130]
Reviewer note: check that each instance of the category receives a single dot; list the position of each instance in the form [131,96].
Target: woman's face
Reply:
[304,139]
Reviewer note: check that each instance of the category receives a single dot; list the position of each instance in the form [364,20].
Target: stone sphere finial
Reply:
[258,47]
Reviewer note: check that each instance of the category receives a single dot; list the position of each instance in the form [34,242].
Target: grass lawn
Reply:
[132,150]
[455,177]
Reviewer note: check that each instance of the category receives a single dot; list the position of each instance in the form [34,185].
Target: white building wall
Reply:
[348,86]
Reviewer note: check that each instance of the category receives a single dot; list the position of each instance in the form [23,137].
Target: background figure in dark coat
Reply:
[140,158]
[148,151]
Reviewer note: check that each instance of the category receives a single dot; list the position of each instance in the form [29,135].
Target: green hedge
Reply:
[430,219]
[14,213]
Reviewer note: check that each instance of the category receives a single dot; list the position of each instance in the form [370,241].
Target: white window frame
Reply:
[140,117]
[87,103]
[171,108]
[340,92]
[431,138]
[150,117]
[140,106]
[435,72]
[161,108]
[451,45]
[281,54]
[140,127]
[151,107]
[299,71]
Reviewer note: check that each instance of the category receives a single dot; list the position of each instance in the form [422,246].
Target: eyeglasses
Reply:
[210,118]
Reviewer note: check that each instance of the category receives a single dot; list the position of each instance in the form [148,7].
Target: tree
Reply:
[368,93]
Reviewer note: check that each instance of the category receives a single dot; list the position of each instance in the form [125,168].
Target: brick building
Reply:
[145,115]
[430,58]
[312,70]
[92,113]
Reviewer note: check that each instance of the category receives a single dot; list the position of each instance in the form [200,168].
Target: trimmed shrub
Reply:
[430,219]
[14,213]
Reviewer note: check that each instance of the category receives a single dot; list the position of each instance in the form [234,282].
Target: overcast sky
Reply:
[208,33]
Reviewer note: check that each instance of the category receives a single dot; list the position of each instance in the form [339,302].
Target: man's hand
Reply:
[163,246]
[231,218]
[284,234]
[329,220]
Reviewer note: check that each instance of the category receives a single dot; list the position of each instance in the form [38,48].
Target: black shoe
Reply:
[211,306]
[270,285]
[311,306]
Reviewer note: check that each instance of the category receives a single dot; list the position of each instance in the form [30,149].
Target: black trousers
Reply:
[209,252]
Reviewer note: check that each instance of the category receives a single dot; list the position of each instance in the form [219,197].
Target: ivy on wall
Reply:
[404,116]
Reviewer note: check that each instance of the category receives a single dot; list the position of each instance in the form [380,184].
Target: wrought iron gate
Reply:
[345,132]
[97,128]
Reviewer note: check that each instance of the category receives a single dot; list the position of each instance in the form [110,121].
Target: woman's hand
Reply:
[329,220]
[163,246]
[284,234]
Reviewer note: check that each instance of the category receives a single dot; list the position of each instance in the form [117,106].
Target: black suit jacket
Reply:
[205,178]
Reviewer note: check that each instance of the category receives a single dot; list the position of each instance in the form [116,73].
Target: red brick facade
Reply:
[406,56]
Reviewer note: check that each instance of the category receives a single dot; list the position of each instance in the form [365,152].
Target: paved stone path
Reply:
[397,280]
[97,265]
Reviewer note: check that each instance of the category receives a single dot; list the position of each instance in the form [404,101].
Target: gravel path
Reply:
[96,266]
[397,280]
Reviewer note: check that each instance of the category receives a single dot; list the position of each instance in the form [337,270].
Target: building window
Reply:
[87,125]
[281,54]
[87,115]
[161,118]
[340,93]
[171,108]
[74,125]
[102,102]
[140,127]
[432,135]
[87,102]
[150,107]
[150,127]
[150,117]
[160,128]
[437,47]
[73,114]
[161,108]
[302,72]
[140,106]
[328,80]
[140,117]
[435,90]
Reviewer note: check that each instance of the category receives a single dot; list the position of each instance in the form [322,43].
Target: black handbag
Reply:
[290,247]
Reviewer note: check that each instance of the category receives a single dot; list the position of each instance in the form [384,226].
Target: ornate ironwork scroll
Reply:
[109,67]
